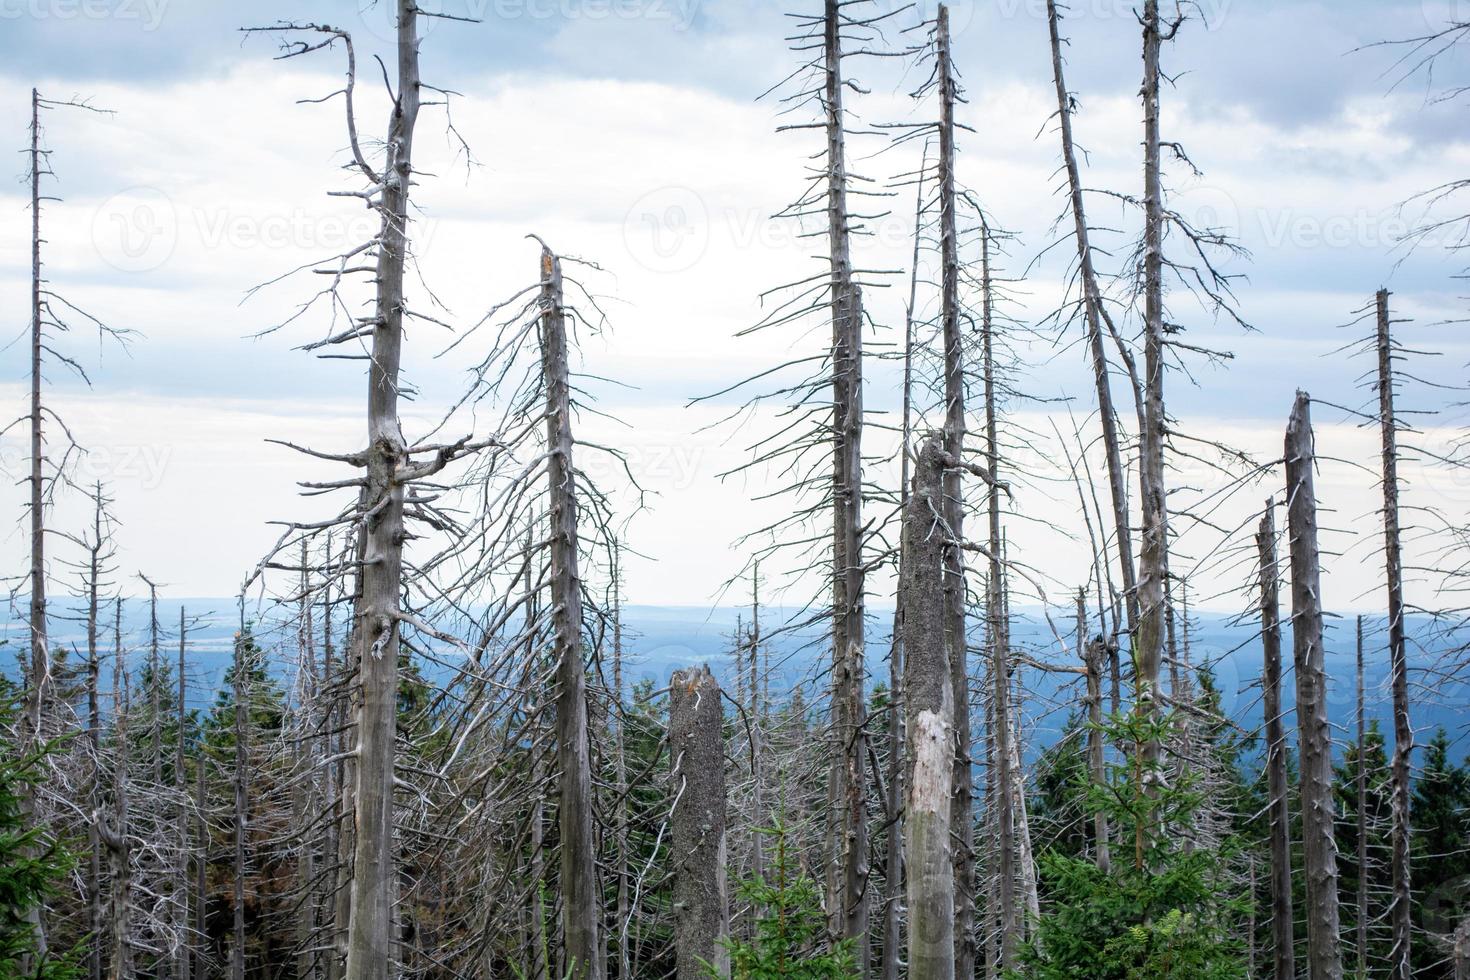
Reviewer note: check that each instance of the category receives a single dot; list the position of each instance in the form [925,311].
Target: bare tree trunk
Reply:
[1401,907]
[120,915]
[1362,801]
[697,824]
[181,880]
[201,864]
[757,734]
[1093,651]
[370,942]
[1153,562]
[94,747]
[848,600]
[893,858]
[620,763]
[1000,654]
[1096,318]
[962,806]
[1278,806]
[1462,950]
[581,900]
[242,789]
[929,711]
[1324,952]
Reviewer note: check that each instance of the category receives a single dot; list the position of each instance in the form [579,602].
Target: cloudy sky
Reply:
[629,132]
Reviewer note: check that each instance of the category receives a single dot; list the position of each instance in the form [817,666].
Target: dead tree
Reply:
[697,823]
[1278,806]
[1096,318]
[115,835]
[1153,559]
[1401,907]
[241,781]
[1094,651]
[848,564]
[1361,789]
[962,822]
[929,719]
[1324,952]
[581,901]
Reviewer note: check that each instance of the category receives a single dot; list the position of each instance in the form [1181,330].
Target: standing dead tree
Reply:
[1283,930]
[1401,908]
[697,823]
[929,721]
[1324,952]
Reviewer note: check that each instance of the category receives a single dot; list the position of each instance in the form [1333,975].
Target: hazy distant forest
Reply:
[431,757]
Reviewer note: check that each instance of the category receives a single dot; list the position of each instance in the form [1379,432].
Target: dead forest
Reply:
[434,755]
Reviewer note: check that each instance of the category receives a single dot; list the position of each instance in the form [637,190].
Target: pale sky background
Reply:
[628,132]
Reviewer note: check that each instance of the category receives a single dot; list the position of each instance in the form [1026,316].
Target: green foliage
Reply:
[1161,911]
[790,939]
[1440,812]
[32,867]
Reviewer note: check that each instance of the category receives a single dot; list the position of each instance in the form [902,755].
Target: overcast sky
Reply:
[629,132]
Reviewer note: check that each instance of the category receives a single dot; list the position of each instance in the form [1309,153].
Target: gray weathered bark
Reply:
[961,812]
[1153,559]
[1401,906]
[1324,952]
[581,899]
[848,599]
[375,634]
[241,781]
[119,851]
[1362,808]
[94,746]
[181,880]
[1283,956]
[929,715]
[1462,951]
[1096,317]
[1094,651]
[697,824]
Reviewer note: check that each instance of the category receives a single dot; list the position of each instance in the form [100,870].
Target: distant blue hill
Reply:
[661,639]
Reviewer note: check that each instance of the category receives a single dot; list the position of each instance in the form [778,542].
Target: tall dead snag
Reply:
[1002,733]
[962,822]
[1278,806]
[241,692]
[1093,651]
[40,661]
[98,552]
[115,834]
[1401,907]
[1324,952]
[1153,558]
[929,718]
[1462,951]
[581,900]
[1096,317]
[848,599]
[1361,788]
[697,824]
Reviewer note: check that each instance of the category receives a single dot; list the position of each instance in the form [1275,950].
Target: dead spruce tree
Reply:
[1283,930]
[1401,908]
[388,495]
[1096,318]
[1324,952]
[929,721]
[819,452]
[697,823]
